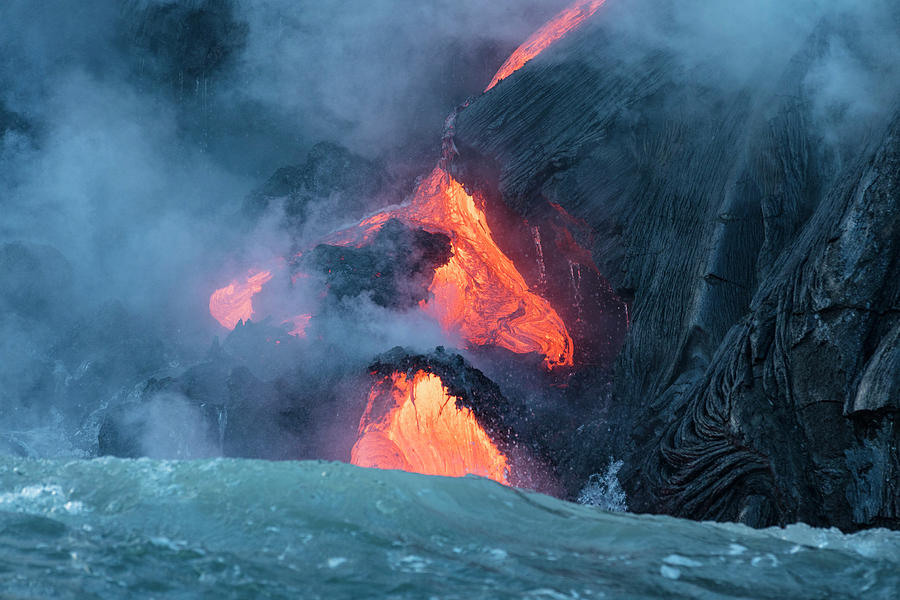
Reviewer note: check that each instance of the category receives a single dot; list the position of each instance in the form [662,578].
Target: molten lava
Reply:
[299,324]
[234,302]
[416,425]
[479,294]
[553,30]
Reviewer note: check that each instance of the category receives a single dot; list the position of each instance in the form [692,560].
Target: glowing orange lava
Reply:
[299,324]
[416,426]
[234,302]
[479,294]
[553,30]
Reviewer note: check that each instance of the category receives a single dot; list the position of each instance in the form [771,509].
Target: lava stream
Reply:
[557,27]
[479,294]
[416,425]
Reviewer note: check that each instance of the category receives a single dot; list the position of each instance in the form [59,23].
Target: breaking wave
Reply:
[240,528]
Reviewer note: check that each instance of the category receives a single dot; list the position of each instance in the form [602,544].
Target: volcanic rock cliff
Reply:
[757,238]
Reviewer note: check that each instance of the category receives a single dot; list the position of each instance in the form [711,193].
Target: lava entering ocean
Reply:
[416,425]
[553,30]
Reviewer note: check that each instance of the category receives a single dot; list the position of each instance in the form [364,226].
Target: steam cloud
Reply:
[131,133]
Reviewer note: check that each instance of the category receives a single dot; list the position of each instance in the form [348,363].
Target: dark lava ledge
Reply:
[760,247]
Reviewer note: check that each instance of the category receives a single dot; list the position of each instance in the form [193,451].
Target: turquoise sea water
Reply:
[110,528]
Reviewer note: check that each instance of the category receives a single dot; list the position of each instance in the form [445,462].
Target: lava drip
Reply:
[556,28]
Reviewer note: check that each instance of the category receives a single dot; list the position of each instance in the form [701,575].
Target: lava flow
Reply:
[234,303]
[416,425]
[479,294]
[557,27]
[411,421]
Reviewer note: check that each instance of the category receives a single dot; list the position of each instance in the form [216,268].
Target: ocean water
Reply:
[111,528]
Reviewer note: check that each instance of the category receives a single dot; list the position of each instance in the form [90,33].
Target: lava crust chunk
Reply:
[395,269]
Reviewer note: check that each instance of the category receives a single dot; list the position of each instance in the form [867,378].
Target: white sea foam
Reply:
[40,499]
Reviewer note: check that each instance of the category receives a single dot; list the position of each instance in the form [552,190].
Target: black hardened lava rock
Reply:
[332,184]
[470,386]
[757,237]
[177,45]
[395,268]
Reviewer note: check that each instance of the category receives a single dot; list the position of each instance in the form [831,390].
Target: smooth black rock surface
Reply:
[756,237]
